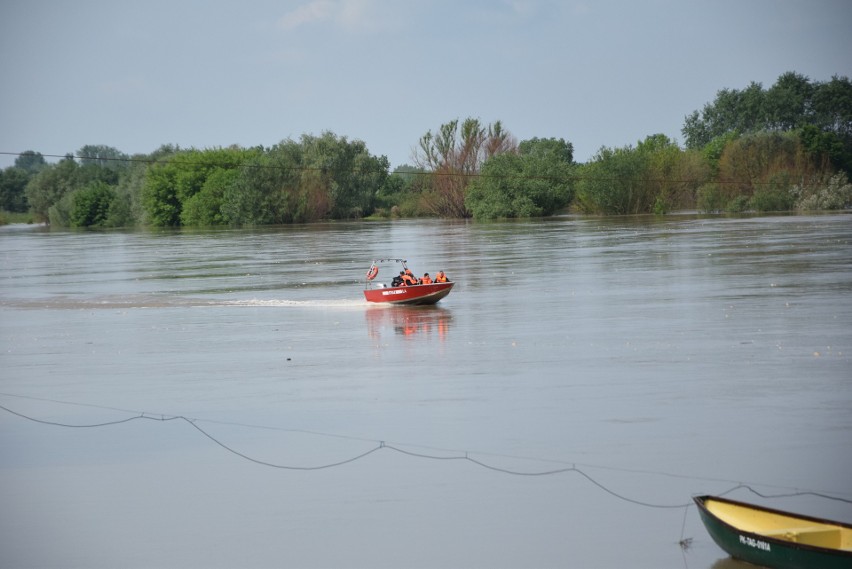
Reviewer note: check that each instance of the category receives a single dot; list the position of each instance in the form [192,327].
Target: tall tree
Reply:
[454,156]
[265,192]
[820,112]
[31,162]
[788,102]
[103,156]
[50,185]
[832,107]
[344,171]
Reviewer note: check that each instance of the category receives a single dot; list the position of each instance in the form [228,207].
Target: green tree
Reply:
[712,151]
[454,156]
[792,103]
[788,102]
[613,182]
[731,111]
[401,193]
[159,196]
[767,147]
[832,111]
[342,170]
[127,208]
[104,156]
[91,205]
[827,144]
[53,185]
[656,176]
[759,171]
[555,149]
[204,208]
[31,162]
[172,183]
[13,184]
[534,182]
[672,176]
[265,192]
[46,188]
[832,107]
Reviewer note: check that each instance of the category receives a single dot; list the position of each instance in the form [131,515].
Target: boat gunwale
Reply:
[700,501]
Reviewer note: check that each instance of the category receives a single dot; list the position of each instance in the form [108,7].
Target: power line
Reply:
[381,445]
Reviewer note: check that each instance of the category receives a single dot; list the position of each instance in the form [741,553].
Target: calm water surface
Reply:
[660,357]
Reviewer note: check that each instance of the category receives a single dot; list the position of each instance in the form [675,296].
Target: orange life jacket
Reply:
[408,280]
[426,280]
[441,277]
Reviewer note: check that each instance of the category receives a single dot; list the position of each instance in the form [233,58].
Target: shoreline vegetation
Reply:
[782,149]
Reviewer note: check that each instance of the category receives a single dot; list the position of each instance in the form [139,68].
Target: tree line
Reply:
[788,147]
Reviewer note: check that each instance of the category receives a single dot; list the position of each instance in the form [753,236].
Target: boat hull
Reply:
[409,295]
[749,542]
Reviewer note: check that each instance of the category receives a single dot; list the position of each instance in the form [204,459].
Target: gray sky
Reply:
[208,73]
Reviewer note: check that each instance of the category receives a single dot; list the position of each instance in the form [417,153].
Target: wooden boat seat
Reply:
[816,536]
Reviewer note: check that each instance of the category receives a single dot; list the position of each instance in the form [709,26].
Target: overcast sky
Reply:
[139,74]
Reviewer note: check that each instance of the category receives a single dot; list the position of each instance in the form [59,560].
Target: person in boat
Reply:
[441,277]
[408,278]
[397,280]
[426,279]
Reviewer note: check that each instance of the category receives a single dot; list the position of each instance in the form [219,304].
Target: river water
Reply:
[630,363]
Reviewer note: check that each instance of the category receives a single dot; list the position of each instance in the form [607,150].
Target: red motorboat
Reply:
[411,294]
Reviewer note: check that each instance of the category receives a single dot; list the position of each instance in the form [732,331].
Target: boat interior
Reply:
[784,527]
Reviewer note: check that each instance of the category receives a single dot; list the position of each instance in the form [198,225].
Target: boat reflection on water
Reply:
[731,563]
[407,321]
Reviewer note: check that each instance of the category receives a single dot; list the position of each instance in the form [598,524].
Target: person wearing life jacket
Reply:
[441,277]
[426,279]
[409,278]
